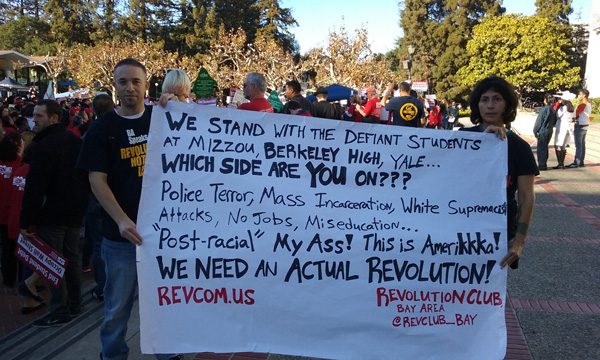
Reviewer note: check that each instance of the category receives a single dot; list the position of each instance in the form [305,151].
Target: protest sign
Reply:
[42,259]
[294,235]
[273,99]
[204,85]
[419,86]
[430,100]
[210,102]
[238,98]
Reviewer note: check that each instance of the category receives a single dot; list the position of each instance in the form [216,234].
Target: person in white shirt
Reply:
[583,112]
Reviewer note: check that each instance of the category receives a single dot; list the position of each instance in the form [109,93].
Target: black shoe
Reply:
[558,167]
[572,166]
[50,321]
[543,168]
[29,309]
[97,296]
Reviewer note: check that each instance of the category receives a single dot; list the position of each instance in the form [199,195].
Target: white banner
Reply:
[294,235]
[419,86]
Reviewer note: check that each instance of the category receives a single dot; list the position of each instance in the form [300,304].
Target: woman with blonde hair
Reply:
[177,83]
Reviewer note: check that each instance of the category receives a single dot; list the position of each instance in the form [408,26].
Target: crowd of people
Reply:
[373,108]
[71,170]
[39,144]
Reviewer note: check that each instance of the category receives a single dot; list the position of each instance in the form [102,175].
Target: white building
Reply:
[592,70]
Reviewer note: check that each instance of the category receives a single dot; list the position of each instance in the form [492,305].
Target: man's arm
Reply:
[360,110]
[423,115]
[541,118]
[526,198]
[386,96]
[367,110]
[127,228]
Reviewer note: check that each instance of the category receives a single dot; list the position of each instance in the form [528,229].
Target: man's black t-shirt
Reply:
[406,111]
[116,146]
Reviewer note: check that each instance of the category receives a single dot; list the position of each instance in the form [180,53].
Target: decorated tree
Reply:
[526,51]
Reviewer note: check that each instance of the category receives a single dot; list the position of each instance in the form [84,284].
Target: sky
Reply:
[381,19]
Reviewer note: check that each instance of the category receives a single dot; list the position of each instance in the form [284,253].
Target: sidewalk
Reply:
[553,310]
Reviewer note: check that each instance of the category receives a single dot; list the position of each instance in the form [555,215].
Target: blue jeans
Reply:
[542,146]
[119,293]
[579,133]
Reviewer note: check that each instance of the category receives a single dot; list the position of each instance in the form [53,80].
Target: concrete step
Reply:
[30,342]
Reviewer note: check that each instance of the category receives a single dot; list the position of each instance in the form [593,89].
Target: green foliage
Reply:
[70,21]
[191,26]
[13,10]
[148,18]
[274,22]
[554,10]
[526,51]
[392,58]
[27,35]
[595,105]
[440,30]
[106,25]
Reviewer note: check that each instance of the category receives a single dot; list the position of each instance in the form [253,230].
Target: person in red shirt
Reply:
[76,122]
[351,112]
[255,86]
[435,117]
[372,110]
[11,150]
[27,287]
